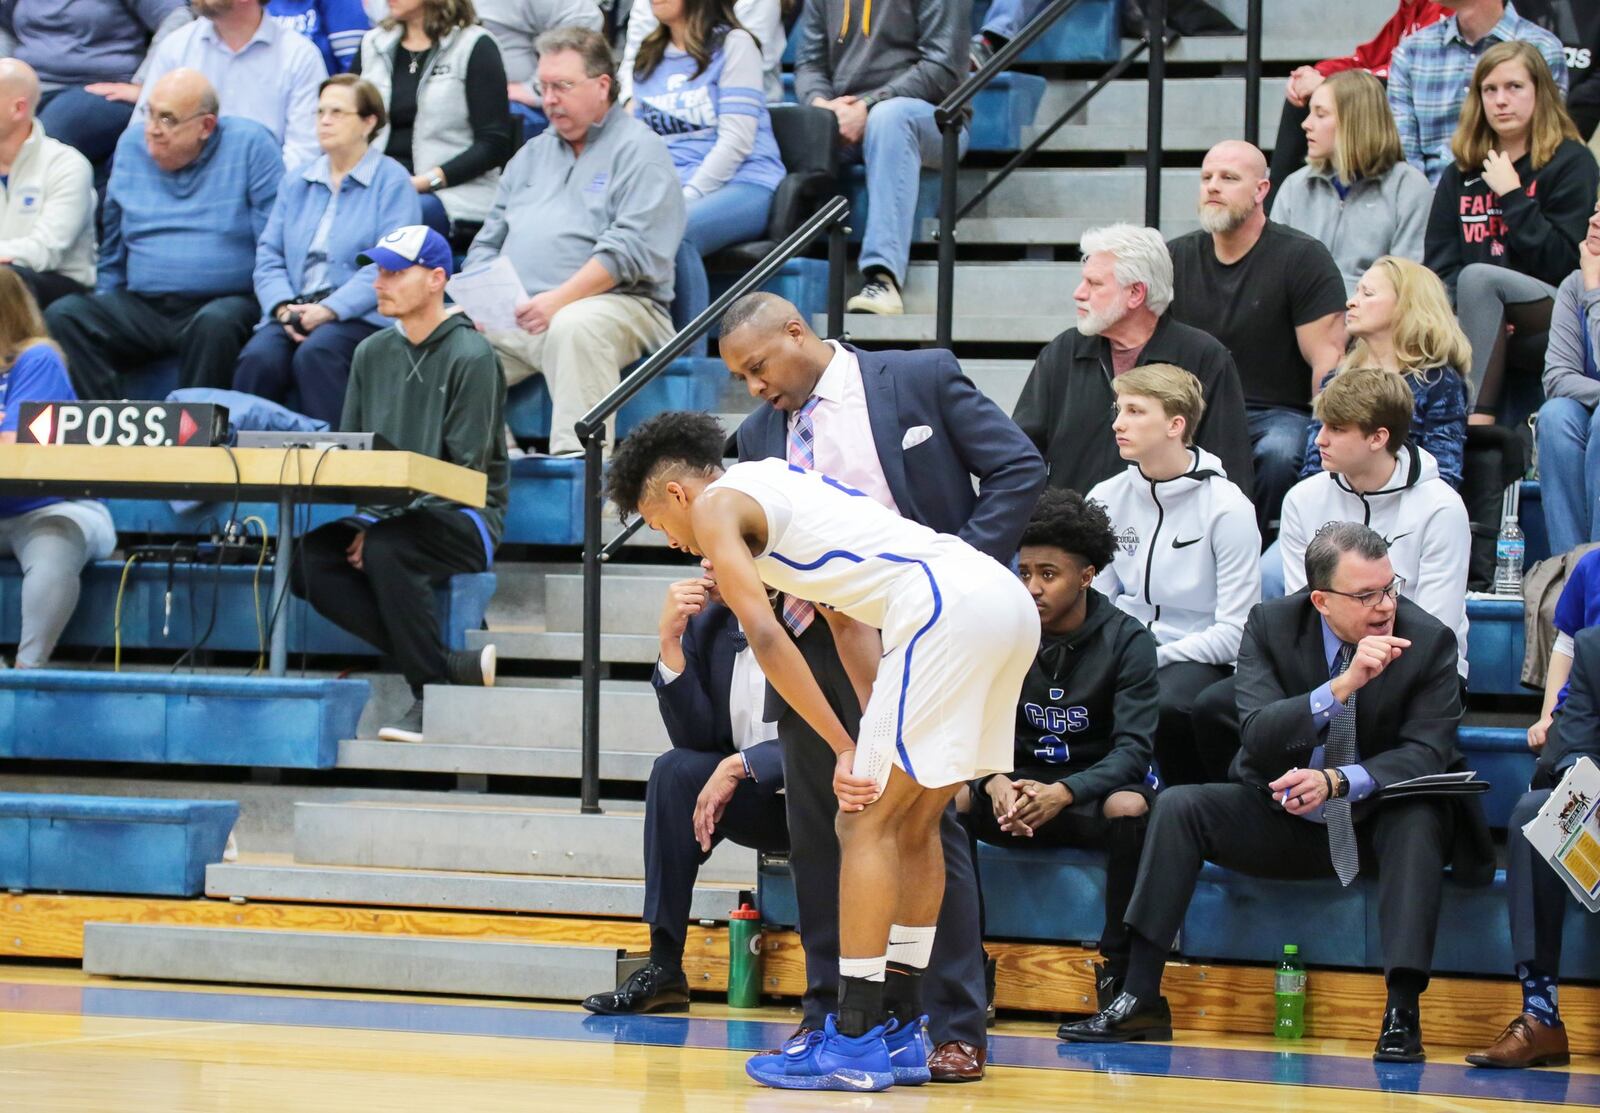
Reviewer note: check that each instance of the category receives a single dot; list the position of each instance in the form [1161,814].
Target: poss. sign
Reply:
[123,424]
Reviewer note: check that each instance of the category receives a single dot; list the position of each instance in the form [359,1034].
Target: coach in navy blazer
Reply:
[932,433]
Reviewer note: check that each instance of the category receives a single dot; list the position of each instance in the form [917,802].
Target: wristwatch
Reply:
[435,183]
[1341,784]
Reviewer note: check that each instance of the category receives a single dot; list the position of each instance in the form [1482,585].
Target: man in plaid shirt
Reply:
[1431,69]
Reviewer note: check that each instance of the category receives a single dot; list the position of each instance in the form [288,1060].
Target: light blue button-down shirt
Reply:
[272,80]
[1324,709]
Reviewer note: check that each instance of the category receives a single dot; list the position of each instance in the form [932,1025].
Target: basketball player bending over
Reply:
[940,685]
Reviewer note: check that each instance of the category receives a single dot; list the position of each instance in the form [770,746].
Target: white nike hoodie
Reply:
[1188,558]
[1419,514]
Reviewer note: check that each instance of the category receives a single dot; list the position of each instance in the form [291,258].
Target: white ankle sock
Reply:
[870,969]
[911,946]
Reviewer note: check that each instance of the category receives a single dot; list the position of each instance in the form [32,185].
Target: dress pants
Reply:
[1177,742]
[101,333]
[754,817]
[1537,895]
[1404,843]
[953,988]
[388,603]
[1216,729]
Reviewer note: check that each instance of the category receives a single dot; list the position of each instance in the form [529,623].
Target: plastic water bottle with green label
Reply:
[1290,991]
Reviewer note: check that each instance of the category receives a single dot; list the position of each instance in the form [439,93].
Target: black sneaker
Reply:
[408,729]
[650,989]
[982,50]
[472,667]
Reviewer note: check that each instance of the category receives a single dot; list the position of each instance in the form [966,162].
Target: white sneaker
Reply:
[880,296]
[486,664]
[408,729]
[230,852]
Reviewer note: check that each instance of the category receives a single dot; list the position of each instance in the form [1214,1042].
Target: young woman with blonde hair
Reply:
[1399,316]
[1356,193]
[1511,209]
[51,538]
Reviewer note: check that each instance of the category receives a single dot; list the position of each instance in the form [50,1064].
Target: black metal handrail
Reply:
[1252,73]
[948,118]
[591,427]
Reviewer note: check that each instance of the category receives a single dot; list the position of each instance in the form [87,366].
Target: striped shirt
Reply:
[1429,75]
[191,231]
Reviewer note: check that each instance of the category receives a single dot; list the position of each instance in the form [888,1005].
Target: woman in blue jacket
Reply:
[698,83]
[318,302]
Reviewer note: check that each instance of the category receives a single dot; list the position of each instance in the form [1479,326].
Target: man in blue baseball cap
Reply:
[430,385]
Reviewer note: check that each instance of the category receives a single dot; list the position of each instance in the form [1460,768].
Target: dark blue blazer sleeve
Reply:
[688,703]
[1009,469]
[766,764]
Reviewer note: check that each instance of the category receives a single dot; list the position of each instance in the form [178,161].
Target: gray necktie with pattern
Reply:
[1340,749]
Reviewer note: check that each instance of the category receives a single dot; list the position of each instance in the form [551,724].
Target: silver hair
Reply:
[1141,256]
[590,45]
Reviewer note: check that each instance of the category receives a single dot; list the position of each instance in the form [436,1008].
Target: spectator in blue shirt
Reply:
[51,538]
[334,27]
[698,84]
[188,201]
[317,302]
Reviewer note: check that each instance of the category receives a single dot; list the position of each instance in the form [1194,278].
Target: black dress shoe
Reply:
[1124,1020]
[650,989]
[1107,987]
[1401,1038]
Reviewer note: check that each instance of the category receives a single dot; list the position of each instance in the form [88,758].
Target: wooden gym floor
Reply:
[72,1043]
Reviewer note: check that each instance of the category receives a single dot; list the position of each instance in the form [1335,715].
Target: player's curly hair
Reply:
[1066,520]
[689,439]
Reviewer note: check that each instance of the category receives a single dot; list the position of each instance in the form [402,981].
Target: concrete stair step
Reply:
[994,289]
[494,761]
[489,840]
[1199,112]
[548,716]
[1032,231]
[922,328]
[349,960]
[1093,195]
[630,602]
[280,880]
[539,645]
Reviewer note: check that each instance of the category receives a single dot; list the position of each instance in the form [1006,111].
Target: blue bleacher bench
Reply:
[546,502]
[1495,647]
[111,844]
[182,719]
[686,384]
[999,112]
[162,518]
[1089,32]
[146,623]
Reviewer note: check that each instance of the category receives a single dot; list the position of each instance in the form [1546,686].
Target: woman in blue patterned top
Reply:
[697,83]
[51,538]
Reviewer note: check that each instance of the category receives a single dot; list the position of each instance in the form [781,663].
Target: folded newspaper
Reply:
[1567,832]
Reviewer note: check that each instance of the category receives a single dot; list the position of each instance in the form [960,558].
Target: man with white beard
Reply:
[1067,403]
[1274,297]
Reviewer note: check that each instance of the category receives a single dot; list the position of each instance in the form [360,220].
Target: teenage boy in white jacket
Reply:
[1373,475]
[1187,562]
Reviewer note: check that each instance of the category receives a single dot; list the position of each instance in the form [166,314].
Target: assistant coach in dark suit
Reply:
[910,430]
[1342,691]
[721,780]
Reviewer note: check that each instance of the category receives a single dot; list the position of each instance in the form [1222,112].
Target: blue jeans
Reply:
[1569,472]
[1007,17]
[733,214]
[1272,578]
[80,119]
[1277,447]
[901,139]
[433,214]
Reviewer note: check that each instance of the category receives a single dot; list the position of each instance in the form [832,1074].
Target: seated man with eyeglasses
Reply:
[590,214]
[188,199]
[1342,691]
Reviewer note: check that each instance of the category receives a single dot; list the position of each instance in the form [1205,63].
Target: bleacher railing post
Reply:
[951,133]
[589,791]
[837,246]
[1252,74]
[1155,31]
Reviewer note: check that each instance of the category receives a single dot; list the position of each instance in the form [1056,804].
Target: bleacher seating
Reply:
[686,384]
[185,719]
[242,601]
[111,844]
[999,113]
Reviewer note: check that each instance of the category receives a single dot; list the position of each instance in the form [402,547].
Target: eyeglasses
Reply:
[1370,599]
[541,90]
[166,121]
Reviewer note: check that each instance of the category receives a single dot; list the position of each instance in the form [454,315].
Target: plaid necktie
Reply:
[1339,750]
[797,613]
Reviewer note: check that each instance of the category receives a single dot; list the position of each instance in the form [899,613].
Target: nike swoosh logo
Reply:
[849,1078]
[1176,544]
[1398,536]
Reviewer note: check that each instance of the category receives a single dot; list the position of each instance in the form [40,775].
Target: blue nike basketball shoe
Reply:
[826,1060]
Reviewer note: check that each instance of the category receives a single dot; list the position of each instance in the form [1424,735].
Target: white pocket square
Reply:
[915,436]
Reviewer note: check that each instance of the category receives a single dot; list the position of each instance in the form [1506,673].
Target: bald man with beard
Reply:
[46,195]
[1274,297]
[186,205]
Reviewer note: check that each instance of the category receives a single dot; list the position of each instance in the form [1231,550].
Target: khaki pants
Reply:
[581,356]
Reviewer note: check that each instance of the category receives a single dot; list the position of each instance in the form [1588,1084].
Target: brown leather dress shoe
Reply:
[956,1061]
[1526,1042]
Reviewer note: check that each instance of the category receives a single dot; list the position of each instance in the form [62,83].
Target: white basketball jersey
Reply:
[831,544]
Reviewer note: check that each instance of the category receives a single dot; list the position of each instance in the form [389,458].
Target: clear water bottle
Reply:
[1509,547]
[1289,988]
